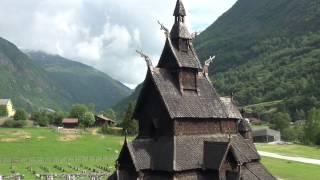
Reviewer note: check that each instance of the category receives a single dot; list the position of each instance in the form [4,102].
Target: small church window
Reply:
[189,80]
[184,44]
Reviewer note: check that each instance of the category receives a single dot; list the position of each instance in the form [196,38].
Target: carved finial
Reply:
[166,30]
[146,58]
[206,66]
[195,34]
[209,61]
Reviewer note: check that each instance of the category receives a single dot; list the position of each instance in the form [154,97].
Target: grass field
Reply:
[27,150]
[291,150]
[42,150]
[288,170]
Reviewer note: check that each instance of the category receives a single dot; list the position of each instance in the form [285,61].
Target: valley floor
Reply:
[42,150]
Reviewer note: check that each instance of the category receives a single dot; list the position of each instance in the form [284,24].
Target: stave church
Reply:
[186,130]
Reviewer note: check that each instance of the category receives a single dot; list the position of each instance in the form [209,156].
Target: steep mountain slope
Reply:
[267,50]
[27,84]
[82,83]
[39,80]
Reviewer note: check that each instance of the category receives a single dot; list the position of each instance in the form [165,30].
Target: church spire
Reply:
[179,10]
[179,30]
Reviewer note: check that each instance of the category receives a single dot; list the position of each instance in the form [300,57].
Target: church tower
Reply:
[186,131]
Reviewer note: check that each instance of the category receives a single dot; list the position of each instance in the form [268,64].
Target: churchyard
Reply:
[37,151]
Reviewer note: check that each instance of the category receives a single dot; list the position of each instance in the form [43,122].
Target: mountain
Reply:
[122,106]
[40,80]
[266,51]
[26,83]
[81,83]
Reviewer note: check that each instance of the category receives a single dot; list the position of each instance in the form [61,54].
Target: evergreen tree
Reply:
[312,127]
[128,124]
[280,121]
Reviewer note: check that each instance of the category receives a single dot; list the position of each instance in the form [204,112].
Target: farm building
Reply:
[101,120]
[70,122]
[266,135]
[7,106]
[185,130]
[255,121]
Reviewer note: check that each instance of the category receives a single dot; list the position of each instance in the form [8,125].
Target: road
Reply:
[290,158]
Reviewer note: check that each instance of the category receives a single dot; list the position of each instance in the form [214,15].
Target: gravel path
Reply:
[290,158]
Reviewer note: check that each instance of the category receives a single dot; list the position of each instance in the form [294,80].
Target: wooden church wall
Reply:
[229,126]
[196,127]
[204,126]
[199,175]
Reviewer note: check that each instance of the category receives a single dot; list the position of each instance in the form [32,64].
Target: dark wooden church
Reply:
[186,132]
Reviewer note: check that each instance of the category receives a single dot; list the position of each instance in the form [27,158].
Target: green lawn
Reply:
[47,143]
[291,150]
[23,149]
[28,150]
[289,170]
[263,126]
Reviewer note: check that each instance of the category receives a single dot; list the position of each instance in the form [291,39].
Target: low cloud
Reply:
[101,33]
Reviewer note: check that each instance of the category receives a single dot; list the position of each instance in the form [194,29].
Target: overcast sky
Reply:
[101,33]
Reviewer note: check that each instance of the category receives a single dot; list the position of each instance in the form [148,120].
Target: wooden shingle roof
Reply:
[184,59]
[255,171]
[232,109]
[205,104]
[70,121]
[180,30]
[179,9]
[183,153]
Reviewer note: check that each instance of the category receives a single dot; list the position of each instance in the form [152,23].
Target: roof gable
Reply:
[146,93]
[125,158]
[173,58]
[4,102]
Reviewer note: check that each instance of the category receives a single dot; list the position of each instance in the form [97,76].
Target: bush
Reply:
[3,111]
[289,134]
[87,119]
[43,121]
[280,121]
[14,124]
[21,114]
[78,111]
[111,130]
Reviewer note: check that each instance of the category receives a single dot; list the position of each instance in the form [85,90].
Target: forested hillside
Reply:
[39,80]
[266,51]
[26,83]
[82,83]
